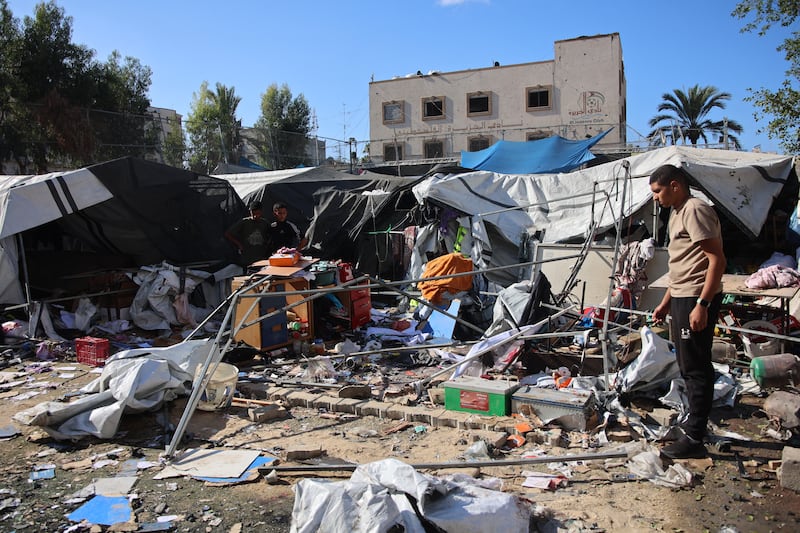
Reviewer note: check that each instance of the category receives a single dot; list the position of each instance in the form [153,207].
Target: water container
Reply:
[776,370]
[760,345]
[219,387]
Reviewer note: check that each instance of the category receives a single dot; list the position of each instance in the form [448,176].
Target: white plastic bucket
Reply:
[759,345]
[219,387]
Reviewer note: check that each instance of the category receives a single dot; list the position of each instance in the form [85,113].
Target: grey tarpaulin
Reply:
[382,495]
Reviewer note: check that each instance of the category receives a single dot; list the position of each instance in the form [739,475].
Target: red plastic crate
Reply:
[92,351]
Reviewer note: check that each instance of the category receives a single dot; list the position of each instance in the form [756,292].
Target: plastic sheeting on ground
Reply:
[655,365]
[136,380]
[390,495]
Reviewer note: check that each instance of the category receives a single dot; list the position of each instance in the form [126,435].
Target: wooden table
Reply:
[734,284]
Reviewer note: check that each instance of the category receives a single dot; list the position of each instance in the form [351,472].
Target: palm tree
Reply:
[687,118]
[230,128]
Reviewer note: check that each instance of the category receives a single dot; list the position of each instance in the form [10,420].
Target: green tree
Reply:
[283,128]
[121,123]
[10,123]
[54,81]
[782,104]
[174,150]
[50,91]
[686,116]
[214,131]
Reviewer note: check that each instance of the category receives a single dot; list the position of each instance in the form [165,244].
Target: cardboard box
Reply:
[476,395]
[572,409]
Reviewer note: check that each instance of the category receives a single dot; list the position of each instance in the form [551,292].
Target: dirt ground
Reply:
[597,497]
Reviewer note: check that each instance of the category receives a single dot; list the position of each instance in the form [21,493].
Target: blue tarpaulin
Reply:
[544,156]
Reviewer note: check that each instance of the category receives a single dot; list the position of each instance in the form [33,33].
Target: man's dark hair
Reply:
[667,173]
[279,205]
[255,205]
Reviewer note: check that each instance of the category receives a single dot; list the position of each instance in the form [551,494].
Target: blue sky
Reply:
[329,51]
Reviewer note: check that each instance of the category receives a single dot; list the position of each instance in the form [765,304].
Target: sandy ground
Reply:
[597,497]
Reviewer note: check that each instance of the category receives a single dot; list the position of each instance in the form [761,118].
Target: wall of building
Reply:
[583,88]
[165,122]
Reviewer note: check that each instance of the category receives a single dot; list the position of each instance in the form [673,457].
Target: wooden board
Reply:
[265,269]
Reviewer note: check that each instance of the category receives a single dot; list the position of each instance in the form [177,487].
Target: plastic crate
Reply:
[92,351]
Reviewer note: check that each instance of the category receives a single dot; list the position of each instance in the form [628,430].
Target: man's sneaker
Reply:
[673,433]
[685,448]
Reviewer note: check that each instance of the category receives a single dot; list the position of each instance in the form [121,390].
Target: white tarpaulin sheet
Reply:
[378,498]
[30,201]
[136,380]
[743,184]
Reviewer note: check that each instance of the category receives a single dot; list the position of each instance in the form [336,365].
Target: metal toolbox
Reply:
[572,409]
[476,395]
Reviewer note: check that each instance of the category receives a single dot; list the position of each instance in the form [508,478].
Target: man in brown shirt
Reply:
[696,265]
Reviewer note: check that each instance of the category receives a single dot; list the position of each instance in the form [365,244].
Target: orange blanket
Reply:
[441,266]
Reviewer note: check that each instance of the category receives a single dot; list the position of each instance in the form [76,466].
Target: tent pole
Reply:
[419,385]
[197,386]
[26,279]
[606,317]
[429,304]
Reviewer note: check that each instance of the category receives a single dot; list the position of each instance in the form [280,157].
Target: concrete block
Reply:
[278,393]
[438,416]
[507,424]
[298,453]
[363,392]
[495,438]
[325,402]
[374,408]
[418,414]
[481,422]
[265,413]
[465,420]
[790,468]
[347,405]
[299,398]
[396,412]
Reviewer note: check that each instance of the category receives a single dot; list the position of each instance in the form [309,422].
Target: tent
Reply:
[553,154]
[560,207]
[137,211]
[329,206]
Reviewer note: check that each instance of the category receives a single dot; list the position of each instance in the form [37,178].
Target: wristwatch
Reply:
[704,303]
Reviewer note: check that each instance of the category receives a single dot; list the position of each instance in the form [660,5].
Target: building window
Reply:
[433,108]
[536,135]
[538,98]
[394,112]
[433,149]
[392,152]
[479,104]
[479,143]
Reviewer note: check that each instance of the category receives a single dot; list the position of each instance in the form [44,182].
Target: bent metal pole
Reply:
[214,357]
[613,281]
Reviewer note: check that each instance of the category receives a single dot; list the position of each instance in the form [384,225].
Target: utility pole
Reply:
[351,142]
[344,129]
[314,126]
[725,132]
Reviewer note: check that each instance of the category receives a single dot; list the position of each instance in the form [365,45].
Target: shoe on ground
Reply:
[685,448]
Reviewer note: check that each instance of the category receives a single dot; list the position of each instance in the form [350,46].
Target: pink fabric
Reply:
[773,277]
